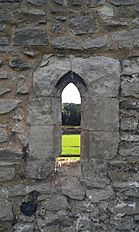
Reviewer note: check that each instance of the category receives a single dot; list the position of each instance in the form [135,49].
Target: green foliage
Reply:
[71,114]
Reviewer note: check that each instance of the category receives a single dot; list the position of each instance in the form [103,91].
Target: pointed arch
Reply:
[71,77]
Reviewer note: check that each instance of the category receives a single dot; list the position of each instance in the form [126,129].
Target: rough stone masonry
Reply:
[44,45]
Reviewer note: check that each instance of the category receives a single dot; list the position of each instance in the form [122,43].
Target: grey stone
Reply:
[100,114]
[22,86]
[73,191]
[132,151]
[3,74]
[23,227]
[101,74]
[118,171]
[129,124]
[135,36]
[130,70]
[30,53]
[95,43]
[37,2]
[19,65]
[83,24]
[123,2]
[44,110]
[30,36]
[5,15]
[95,183]
[65,43]
[10,154]
[3,134]
[106,12]
[45,78]
[100,195]
[4,40]
[94,3]
[60,2]
[6,213]
[7,171]
[40,169]
[129,104]
[100,145]
[7,105]
[4,90]
[76,2]
[130,88]
[122,39]
[56,203]
[41,137]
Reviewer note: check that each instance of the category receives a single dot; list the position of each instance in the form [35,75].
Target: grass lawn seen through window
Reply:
[71,146]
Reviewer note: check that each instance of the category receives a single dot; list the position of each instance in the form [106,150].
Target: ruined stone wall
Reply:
[44,45]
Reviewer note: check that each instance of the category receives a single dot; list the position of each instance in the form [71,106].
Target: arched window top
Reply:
[74,78]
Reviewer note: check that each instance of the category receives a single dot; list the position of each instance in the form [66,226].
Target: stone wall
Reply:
[44,45]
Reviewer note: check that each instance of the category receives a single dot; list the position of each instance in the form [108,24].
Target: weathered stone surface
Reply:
[66,43]
[122,39]
[132,150]
[118,171]
[22,86]
[4,40]
[129,124]
[44,110]
[37,2]
[7,171]
[4,90]
[94,3]
[3,134]
[101,74]
[7,105]
[100,114]
[56,203]
[103,145]
[40,169]
[129,105]
[6,213]
[83,24]
[45,78]
[106,11]
[41,137]
[73,191]
[95,43]
[24,227]
[30,36]
[100,195]
[60,2]
[130,87]
[19,65]
[123,2]
[3,74]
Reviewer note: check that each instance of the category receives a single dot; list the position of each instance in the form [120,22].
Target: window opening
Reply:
[71,118]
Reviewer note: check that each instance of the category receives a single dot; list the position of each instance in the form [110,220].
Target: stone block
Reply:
[98,42]
[66,43]
[37,2]
[42,142]
[122,39]
[7,105]
[56,203]
[30,36]
[119,171]
[83,24]
[100,195]
[100,114]
[4,89]
[130,151]
[130,88]
[3,134]
[101,74]
[123,2]
[99,145]
[40,169]
[76,191]
[21,227]
[3,75]
[94,3]
[44,110]
[106,12]
[46,77]
[94,168]
[129,124]
[7,171]
[6,213]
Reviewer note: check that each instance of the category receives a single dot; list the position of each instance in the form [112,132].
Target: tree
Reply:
[71,114]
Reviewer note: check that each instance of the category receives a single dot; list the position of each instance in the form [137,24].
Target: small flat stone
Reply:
[3,134]
[4,90]
[65,43]
[37,2]
[6,213]
[3,74]
[19,65]
[95,43]
[123,2]
[7,105]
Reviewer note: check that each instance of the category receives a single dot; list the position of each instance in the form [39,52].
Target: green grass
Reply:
[70,145]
